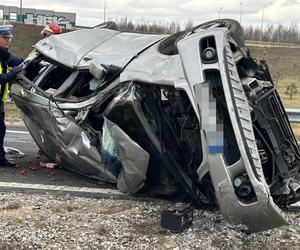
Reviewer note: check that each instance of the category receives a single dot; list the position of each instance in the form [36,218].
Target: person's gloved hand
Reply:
[13,72]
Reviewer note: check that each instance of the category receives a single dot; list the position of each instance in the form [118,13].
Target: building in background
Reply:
[39,17]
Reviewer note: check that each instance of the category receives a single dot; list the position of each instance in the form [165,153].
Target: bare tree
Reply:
[188,25]
[280,33]
[291,90]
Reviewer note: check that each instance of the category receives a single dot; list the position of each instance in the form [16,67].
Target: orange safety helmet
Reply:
[51,29]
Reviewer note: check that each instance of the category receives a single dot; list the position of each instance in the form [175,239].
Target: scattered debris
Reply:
[23,172]
[49,165]
[33,168]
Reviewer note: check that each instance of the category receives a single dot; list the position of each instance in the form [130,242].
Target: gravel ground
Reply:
[35,221]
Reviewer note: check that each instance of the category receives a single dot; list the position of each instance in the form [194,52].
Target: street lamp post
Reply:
[20,18]
[262,24]
[241,13]
[220,9]
[104,11]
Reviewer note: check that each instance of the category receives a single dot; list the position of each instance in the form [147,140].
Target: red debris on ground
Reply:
[17,166]
[23,172]
[50,165]
[33,168]
[52,173]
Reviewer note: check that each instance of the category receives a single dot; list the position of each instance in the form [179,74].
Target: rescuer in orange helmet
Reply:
[51,29]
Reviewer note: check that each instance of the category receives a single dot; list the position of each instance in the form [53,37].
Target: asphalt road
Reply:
[21,139]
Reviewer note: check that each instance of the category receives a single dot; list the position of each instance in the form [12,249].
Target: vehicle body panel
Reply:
[98,45]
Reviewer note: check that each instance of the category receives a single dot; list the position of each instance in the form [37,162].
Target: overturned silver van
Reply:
[190,114]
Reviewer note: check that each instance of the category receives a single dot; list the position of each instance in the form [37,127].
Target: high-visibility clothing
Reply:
[6,88]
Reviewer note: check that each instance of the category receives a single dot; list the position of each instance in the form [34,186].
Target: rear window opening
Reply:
[76,86]
[63,83]
[54,78]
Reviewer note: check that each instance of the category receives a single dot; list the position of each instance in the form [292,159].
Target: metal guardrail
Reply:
[293,115]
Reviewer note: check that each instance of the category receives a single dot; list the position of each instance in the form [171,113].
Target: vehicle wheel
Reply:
[107,25]
[235,29]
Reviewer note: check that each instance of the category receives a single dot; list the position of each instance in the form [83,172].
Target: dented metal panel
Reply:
[63,140]
[120,49]
[153,67]
[70,48]
[103,46]
[134,160]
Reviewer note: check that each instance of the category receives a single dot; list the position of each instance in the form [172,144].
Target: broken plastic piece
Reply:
[97,70]
[50,165]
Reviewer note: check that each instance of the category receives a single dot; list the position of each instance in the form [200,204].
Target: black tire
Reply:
[168,46]
[107,25]
[235,30]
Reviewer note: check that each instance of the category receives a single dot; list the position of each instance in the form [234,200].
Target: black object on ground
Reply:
[177,217]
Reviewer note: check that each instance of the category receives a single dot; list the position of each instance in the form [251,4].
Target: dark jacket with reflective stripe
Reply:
[6,60]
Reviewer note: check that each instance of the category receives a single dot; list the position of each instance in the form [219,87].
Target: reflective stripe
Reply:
[6,89]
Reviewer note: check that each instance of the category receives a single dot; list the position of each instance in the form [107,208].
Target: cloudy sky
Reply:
[90,12]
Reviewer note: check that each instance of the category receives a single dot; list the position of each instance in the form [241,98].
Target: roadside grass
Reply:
[285,98]
[284,63]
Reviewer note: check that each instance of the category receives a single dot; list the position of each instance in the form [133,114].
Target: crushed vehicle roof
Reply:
[79,48]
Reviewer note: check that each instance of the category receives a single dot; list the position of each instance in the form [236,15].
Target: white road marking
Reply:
[17,132]
[61,188]
[18,141]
